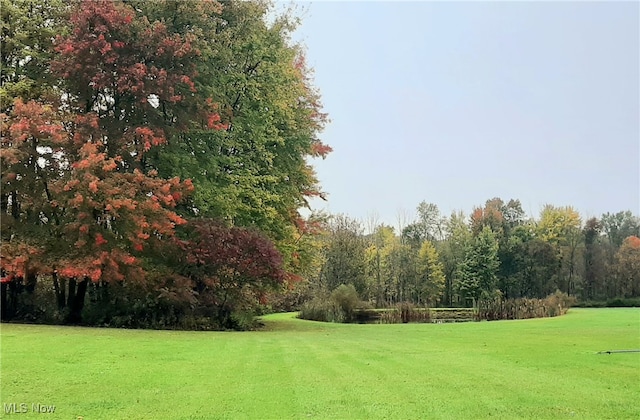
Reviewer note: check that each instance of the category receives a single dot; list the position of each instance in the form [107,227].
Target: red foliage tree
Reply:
[77,169]
[231,268]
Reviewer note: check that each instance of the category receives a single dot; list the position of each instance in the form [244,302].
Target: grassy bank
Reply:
[537,368]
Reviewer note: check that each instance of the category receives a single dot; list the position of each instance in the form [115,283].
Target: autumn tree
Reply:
[561,227]
[131,97]
[431,280]
[380,242]
[619,226]
[231,268]
[256,172]
[79,163]
[392,268]
[627,269]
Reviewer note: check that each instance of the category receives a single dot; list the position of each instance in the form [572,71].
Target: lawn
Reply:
[539,368]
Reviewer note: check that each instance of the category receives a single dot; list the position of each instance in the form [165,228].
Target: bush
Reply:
[322,309]
[347,299]
[611,303]
[340,306]
[623,303]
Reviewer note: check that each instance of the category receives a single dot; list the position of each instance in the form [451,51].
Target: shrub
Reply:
[340,306]
[623,303]
[322,309]
[611,303]
[347,299]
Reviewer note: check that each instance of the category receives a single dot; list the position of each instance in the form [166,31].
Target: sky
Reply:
[455,103]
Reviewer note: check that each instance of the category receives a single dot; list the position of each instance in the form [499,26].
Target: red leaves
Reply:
[308,227]
[109,166]
[148,138]
[111,49]
[84,182]
[100,240]
[93,186]
[106,266]
[320,149]
[18,258]
[632,242]
[32,133]
[213,122]
[234,254]
[77,200]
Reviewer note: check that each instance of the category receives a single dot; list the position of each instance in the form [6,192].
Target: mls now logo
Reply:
[21,408]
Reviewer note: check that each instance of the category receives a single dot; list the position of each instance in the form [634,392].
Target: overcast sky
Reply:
[455,103]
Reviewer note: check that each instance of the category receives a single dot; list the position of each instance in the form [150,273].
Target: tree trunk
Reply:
[10,298]
[76,301]
[59,287]
[15,206]
[31,279]
[72,291]
[4,203]
[3,303]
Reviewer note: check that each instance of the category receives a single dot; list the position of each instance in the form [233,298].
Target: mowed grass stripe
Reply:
[542,368]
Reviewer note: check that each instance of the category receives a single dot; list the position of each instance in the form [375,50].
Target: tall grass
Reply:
[405,312]
[494,307]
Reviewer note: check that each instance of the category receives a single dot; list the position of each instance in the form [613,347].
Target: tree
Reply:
[231,268]
[478,271]
[429,225]
[82,189]
[540,265]
[561,227]
[29,28]
[431,280]
[615,227]
[452,250]
[627,268]
[491,215]
[380,241]
[619,226]
[513,254]
[593,259]
[344,255]
[256,171]
[132,98]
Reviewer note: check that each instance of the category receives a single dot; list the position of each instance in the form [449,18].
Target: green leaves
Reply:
[254,173]
[478,271]
[430,273]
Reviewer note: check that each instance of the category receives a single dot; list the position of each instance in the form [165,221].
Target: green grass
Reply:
[539,368]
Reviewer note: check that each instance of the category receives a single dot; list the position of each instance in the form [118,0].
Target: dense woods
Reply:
[497,250]
[156,155]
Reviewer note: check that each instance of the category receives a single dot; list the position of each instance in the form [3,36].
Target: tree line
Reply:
[154,158]
[456,260]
